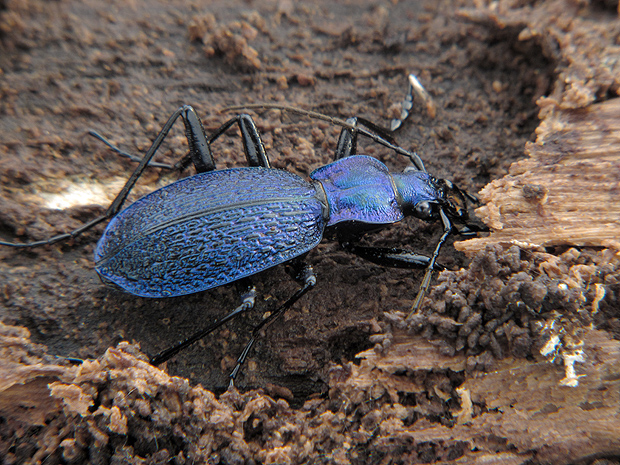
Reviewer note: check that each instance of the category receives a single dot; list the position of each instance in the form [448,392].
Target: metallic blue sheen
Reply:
[220,226]
[414,187]
[359,188]
[208,230]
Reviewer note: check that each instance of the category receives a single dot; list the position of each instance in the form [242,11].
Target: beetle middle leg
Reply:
[301,271]
[136,158]
[200,153]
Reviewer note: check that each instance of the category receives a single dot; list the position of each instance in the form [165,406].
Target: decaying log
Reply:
[517,408]
[567,191]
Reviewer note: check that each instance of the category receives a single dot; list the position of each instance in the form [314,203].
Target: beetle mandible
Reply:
[211,229]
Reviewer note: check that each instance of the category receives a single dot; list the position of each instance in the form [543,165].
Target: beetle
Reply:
[223,226]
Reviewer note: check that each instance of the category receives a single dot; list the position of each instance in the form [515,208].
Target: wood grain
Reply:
[567,192]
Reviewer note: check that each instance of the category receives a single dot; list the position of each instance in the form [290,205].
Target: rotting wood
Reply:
[567,192]
[519,407]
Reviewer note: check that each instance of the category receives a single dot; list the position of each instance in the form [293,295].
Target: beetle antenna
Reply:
[415,159]
[294,110]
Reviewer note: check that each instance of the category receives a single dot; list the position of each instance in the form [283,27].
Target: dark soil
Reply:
[122,68]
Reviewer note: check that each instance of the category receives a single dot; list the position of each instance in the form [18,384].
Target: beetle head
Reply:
[449,198]
[453,201]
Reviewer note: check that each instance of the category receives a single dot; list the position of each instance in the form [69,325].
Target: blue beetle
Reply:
[177,240]
[221,226]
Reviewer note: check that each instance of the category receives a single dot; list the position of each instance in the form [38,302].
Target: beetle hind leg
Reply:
[304,274]
[248,298]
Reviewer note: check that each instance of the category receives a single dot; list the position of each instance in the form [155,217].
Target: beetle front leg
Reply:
[347,141]
[426,281]
[414,89]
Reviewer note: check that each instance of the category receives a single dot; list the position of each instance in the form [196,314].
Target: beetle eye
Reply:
[423,210]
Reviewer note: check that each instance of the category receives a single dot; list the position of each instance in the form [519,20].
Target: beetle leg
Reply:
[305,275]
[252,144]
[347,141]
[426,281]
[122,153]
[391,257]
[415,89]
[247,303]
[199,150]
[200,154]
